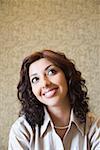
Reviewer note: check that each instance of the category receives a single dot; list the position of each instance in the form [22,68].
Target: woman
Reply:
[55,113]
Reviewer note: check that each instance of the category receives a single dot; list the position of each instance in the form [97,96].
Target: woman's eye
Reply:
[52,72]
[35,80]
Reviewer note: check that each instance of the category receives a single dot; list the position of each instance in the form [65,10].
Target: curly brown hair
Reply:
[32,108]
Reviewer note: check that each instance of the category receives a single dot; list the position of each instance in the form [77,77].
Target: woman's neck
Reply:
[60,115]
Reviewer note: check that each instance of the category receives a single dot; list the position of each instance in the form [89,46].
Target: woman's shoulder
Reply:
[93,130]
[92,123]
[21,126]
[92,119]
[21,134]
[20,122]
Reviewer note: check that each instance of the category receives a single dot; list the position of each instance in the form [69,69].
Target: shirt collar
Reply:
[73,119]
[45,123]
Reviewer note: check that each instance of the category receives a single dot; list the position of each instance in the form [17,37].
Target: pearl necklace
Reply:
[63,127]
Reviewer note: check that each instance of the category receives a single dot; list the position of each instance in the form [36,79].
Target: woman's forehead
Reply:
[40,65]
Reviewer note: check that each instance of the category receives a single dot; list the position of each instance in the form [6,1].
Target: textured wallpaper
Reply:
[71,26]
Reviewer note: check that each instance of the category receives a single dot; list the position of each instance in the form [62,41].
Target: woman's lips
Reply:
[50,93]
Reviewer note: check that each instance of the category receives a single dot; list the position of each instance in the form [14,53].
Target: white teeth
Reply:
[50,93]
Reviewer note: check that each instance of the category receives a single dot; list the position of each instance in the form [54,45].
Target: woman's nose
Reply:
[45,81]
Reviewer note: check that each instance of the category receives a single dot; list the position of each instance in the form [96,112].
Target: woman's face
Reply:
[48,82]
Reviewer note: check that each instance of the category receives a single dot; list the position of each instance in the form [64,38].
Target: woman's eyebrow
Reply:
[48,67]
[34,74]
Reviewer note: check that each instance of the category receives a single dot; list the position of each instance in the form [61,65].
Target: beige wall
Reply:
[72,26]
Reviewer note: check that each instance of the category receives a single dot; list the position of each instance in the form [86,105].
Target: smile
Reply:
[50,93]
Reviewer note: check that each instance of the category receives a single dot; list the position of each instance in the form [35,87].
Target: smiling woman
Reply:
[55,113]
[48,83]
